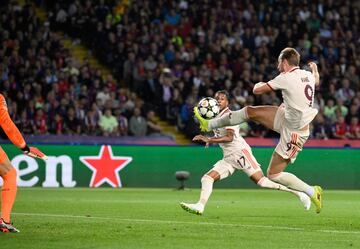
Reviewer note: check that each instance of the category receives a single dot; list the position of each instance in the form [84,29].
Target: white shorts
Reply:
[291,141]
[243,160]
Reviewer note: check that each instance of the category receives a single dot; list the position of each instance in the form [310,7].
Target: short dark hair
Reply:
[291,55]
[226,93]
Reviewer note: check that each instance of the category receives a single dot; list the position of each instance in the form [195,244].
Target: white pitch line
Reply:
[187,223]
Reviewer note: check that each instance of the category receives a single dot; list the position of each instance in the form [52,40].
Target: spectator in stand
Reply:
[103,96]
[92,119]
[57,127]
[354,128]
[40,126]
[123,123]
[329,111]
[345,93]
[340,128]
[320,130]
[72,125]
[138,125]
[341,108]
[152,125]
[25,125]
[109,124]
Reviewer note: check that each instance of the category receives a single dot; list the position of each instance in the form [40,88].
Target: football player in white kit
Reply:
[237,156]
[291,120]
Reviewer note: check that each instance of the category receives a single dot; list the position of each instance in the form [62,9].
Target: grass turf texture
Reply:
[153,218]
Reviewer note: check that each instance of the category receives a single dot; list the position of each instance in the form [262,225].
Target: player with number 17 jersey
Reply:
[238,143]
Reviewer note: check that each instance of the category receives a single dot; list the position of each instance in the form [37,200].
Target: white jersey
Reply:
[238,143]
[298,90]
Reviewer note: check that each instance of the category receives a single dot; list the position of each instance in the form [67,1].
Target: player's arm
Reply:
[229,137]
[278,83]
[14,134]
[261,88]
[315,72]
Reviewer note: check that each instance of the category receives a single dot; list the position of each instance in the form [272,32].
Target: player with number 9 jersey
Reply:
[237,155]
[298,89]
[291,120]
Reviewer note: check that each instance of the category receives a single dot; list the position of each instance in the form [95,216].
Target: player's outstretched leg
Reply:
[261,114]
[276,174]
[293,182]
[232,118]
[265,182]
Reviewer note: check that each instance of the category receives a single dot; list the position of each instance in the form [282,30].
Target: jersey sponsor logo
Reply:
[305,80]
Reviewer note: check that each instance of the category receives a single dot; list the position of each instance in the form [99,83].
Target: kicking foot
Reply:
[204,124]
[193,208]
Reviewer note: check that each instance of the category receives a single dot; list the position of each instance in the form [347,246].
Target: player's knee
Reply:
[273,176]
[251,112]
[5,168]
[207,178]
[9,178]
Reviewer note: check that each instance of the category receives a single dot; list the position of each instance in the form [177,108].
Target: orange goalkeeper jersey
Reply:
[8,125]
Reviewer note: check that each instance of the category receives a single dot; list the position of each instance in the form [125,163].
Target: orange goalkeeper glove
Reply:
[34,152]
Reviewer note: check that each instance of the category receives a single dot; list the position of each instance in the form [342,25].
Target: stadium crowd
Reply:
[49,92]
[172,53]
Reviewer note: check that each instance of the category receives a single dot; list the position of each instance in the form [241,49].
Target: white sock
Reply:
[267,183]
[228,119]
[291,181]
[206,189]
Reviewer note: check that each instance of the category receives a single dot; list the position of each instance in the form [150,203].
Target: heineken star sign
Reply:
[59,170]
[155,166]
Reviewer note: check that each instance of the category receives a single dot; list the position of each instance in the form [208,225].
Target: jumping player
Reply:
[7,171]
[237,156]
[291,120]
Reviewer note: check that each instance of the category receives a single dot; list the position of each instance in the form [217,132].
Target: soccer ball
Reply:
[208,108]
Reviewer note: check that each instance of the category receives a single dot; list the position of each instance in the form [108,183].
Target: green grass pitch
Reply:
[152,218]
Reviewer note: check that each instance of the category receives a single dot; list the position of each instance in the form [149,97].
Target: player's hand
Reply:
[36,153]
[313,66]
[201,138]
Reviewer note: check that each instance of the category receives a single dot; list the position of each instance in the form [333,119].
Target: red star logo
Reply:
[105,167]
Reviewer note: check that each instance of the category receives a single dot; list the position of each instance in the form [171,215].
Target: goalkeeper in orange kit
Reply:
[7,171]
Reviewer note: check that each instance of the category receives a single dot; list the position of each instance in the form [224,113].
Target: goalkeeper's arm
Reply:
[14,134]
